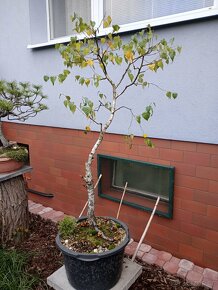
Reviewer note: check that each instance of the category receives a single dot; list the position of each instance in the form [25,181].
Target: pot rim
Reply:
[96,256]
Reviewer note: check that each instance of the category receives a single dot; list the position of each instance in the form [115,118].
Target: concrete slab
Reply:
[131,271]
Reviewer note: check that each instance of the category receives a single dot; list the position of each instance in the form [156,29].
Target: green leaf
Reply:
[141,78]
[103,40]
[53,79]
[107,22]
[138,119]
[144,84]
[66,103]
[61,78]
[169,94]
[82,81]
[149,143]
[130,75]
[118,60]
[66,72]
[160,64]
[46,78]
[174,95]
[179,49]
[86,110]
[147,113]
[72,107]
[116,28]
[77,77]
[172,54]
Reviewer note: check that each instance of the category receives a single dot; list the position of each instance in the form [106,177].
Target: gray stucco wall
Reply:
[193,116]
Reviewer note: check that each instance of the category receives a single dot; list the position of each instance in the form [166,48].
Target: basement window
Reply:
[146,181]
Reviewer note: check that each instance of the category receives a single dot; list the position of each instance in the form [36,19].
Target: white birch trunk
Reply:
[88,167]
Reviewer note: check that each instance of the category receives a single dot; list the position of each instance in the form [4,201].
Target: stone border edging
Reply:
[183,268]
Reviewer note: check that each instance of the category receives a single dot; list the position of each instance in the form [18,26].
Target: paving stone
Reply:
[149,258]
[182,273]
[198,269]
[194,278]
[140,254]
[46,209]
[130,249]
[131,271]
[206,282]
[171,267]
[35,205]
[210,274]
[160,262]
[154,252]
[215,286]
[30,202]
[185,264]
[52,214]
[145,248]
[59,218]
[49,214]
[36,210]
[175,260]
[164,256]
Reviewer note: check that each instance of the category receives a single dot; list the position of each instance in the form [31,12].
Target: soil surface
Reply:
[90,239]
[46,259]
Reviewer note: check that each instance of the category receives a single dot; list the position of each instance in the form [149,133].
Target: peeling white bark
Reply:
[88,167]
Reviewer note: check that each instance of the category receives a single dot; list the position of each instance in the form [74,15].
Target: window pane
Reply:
[143,179]
[123,12]
[170,7]
[61,12]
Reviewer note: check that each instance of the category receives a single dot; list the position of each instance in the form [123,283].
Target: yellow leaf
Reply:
[90,62]
[78,45]
[151,66]
[89,32]
[129,55]
[145,135]
[87,81]
[87,128]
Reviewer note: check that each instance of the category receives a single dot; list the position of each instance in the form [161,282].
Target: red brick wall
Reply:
[58,155]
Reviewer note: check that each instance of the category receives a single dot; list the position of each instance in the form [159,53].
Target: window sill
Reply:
[176,18]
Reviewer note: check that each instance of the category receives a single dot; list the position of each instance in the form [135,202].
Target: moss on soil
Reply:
[86,239]
[17,153]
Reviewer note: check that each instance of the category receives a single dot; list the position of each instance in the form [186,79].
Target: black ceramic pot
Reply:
[94,271]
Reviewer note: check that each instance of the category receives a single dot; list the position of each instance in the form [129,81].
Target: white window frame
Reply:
[97,16]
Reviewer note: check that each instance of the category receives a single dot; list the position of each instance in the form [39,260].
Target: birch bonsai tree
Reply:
[101,55]
[19,101]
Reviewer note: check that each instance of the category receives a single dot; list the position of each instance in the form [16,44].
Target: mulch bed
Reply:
[46,259]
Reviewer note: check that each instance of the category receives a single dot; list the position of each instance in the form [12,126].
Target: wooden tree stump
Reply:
[13,209]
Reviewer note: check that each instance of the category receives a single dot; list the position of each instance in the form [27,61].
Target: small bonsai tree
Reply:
[102,55]
[19,101]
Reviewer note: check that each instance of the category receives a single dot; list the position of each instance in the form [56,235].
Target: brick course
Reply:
[57,156]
